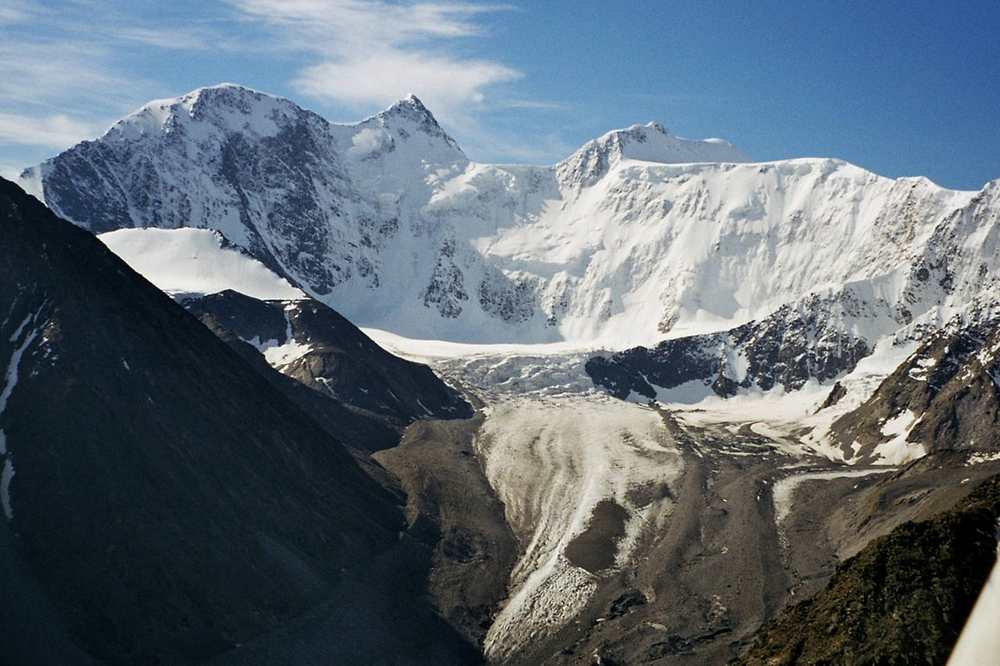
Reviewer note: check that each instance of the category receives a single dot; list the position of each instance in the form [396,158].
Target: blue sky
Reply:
[900,88]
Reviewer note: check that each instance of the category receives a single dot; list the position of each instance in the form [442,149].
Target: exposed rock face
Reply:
[363,431]
[162,502]
[792,346]
[314,345]
[946,395]
[452,508]
[902,600]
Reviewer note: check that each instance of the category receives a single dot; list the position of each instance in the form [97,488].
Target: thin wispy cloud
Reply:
[63,81]
[18,11]
[10,15]
[373,53]
[534,106]
[55,131]
[46,73]
[441,82]
[343,25]
[179,39]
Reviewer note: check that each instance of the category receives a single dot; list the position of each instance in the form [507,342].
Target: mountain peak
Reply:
[226,105]
[410,111]
[657,127]
[410,104]
[221,93]
[651,142]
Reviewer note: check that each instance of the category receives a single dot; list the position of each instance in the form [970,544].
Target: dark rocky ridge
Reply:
[359,429]
[166,502]
[902,600]
[452,508]
[342,364]
[788,348]
[950,384]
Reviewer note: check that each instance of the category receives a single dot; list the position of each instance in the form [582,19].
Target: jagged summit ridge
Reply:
[326,206]
[228,106]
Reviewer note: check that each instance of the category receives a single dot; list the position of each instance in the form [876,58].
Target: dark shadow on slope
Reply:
[166,503]
[902,600]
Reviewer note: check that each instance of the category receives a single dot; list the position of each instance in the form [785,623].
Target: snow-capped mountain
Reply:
[386,220]
[636,237]
[731,275]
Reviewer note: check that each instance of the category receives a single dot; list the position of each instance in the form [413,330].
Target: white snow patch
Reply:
[987,354]
[281,355]
[10,381]
[899,425]
[368,140]
[897,450]
[193,261]
[924,365]
[10,376]
[5,478]
[979,458]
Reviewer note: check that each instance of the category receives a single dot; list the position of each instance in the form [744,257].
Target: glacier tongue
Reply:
[558,466]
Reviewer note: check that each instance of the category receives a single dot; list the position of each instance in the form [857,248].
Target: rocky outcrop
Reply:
[810,341]
[946,395]
[314,345]
[902,600]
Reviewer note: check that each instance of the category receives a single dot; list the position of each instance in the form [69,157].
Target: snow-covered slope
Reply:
[195,261]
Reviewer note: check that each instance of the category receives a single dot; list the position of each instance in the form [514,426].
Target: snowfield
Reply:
[195,261]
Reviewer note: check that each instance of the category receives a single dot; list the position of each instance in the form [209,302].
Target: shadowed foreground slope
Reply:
[162,502]
[902,600]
